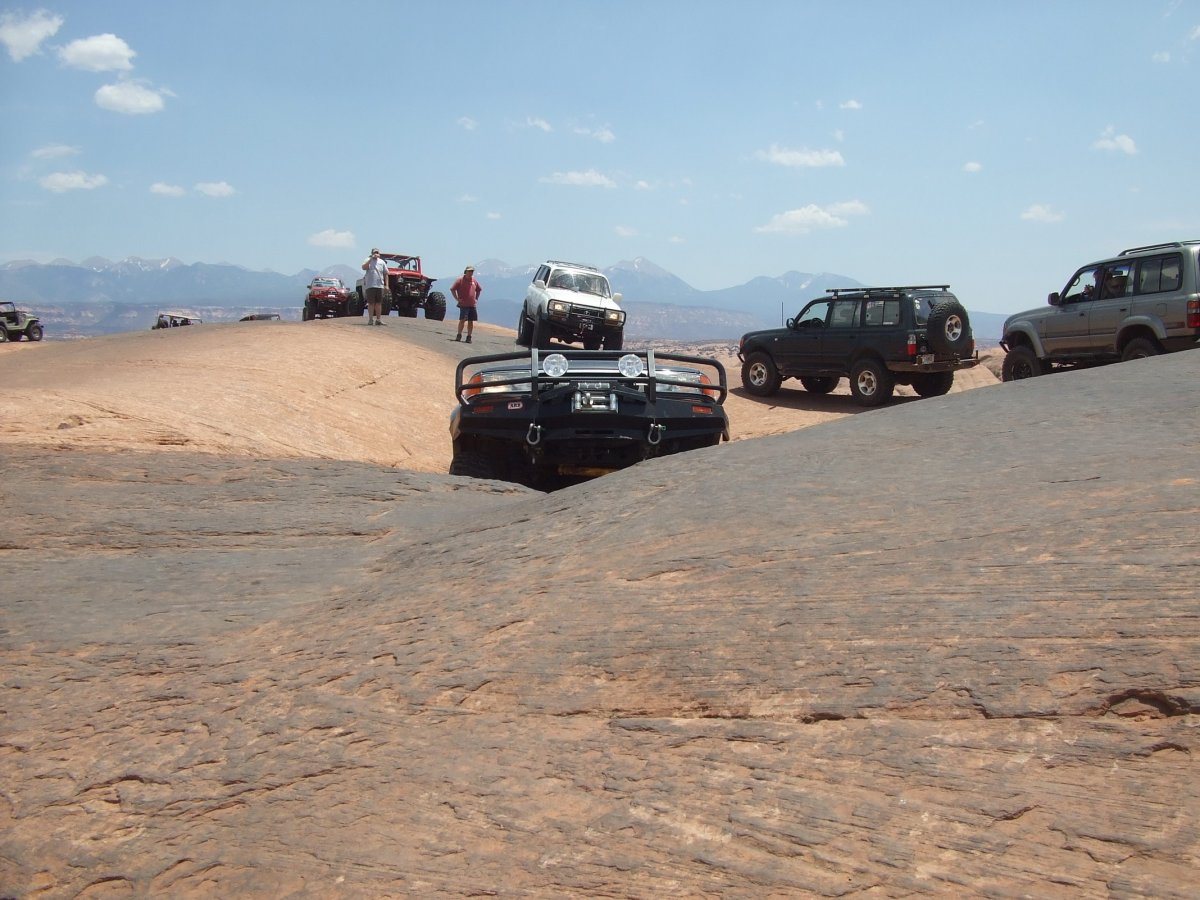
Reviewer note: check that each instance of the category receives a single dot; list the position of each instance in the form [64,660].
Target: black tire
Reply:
[614,340]
[435,306]
[759,375]
[472,464]
[1021,362]
[818,384]
[355,306]
[541,334]
[3,335]
[306,314]
[406,309]
[933,384]
[524,330]
[1139,348]
[34,332]
[949,328]
[871,383]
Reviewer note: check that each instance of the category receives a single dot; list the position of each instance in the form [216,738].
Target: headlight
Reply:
[482,383]
[559,308]
[631,366]
[615,316]
[555,365]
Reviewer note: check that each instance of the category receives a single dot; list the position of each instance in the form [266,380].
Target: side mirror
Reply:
[1054,299]
[791,323]
[540,284]
[616,298]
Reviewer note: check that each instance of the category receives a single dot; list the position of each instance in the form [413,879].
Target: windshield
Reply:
[327,282]
[583,282]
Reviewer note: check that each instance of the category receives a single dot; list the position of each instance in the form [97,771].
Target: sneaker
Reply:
[468,340]
[458,337]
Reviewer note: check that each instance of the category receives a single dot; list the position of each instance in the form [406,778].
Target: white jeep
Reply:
[573,303]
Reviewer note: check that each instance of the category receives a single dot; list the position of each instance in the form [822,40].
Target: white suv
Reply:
[573,303]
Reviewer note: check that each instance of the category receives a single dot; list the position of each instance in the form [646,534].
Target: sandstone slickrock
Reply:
[946,647]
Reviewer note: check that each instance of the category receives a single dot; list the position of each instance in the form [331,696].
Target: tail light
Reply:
[1193,313]
[476,379]
[912,344]
[704,379]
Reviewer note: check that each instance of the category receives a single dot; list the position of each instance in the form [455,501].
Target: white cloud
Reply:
[851,104]
[590,178]
[331,238]
[61,182]
[215,189]
[676,239]
[467,123]
[1040,212]
[643,185]
[468,198]
[1195,35]
[54,151]
[839,135]
[99,53]
[540,124]
[131,98]
[494,216]
[166,190]
[973,167]
[625,231]
[807,218]
[781,156]
[1110,140]
[603,135]
[1163,56]
[23,36]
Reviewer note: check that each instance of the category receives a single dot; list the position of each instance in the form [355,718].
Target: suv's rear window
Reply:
[883,312]
[1164,273]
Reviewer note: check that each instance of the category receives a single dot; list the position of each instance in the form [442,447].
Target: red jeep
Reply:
[328,298]
[408,289]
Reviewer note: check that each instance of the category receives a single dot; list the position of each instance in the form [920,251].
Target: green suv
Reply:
[16,324]
[1142,302]
[878,337]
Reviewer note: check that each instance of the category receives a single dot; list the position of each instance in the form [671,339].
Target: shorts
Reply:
[374,295]
[468,314]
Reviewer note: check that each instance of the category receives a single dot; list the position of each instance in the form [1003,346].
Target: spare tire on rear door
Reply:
[950,328]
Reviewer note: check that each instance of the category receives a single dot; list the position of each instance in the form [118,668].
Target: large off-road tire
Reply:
[306,314]
[541,334]
[406,309]
[614,340]
[355,306]
[818,384]
[759,375]
[524,330]
[472,464]
[1139,348]
[34,332]
[871,383]
[435,306]
[1021,362]
[3,335]
[949,328]
[933,384]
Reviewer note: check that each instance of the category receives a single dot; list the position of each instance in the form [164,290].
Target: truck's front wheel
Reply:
[435,306]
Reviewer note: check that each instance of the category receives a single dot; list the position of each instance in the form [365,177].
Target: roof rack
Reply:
[559,262]
[1155,247]
[888,290]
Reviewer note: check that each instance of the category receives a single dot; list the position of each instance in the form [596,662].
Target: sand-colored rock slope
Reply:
[948,647]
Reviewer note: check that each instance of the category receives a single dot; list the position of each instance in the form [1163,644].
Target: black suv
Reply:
[878,337]
[555,419]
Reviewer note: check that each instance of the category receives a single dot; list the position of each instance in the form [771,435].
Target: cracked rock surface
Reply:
[948,647]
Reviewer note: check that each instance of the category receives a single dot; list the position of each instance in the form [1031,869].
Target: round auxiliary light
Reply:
[630,366]
[555,365]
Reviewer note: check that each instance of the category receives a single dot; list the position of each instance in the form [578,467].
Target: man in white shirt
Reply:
[374,282]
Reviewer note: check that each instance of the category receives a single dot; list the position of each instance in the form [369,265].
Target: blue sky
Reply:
[995,147]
